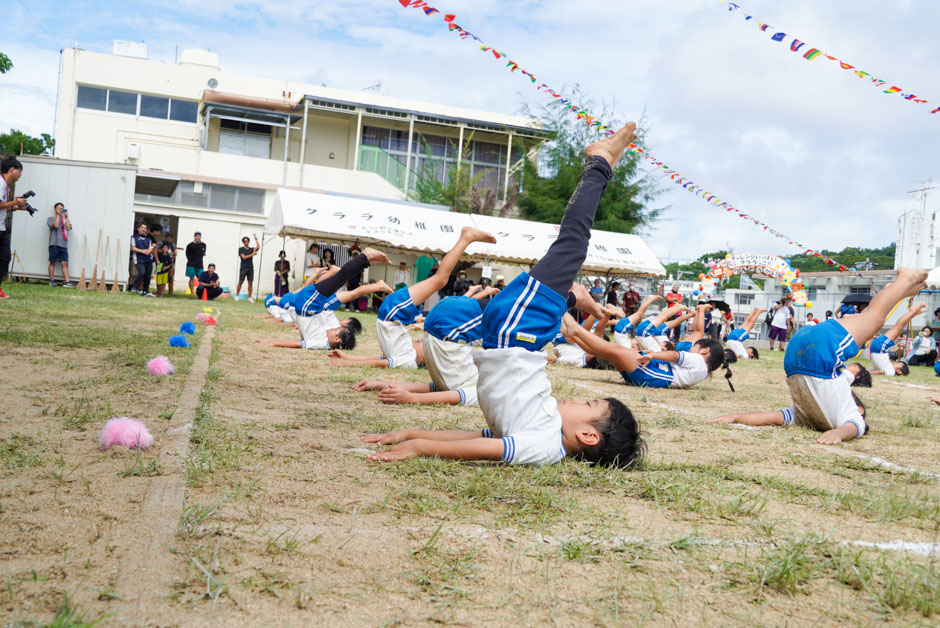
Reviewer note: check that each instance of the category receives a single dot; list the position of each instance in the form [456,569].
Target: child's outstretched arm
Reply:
[751,418]
[621,357]
[846,431]
[476,448]
[341,358]
[403,394]
[698,325]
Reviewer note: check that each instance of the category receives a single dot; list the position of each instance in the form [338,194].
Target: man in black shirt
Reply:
[195,252]
[209,283]
[247,268]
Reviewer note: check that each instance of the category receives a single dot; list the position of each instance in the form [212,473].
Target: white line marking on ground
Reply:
[881,462]
[910,385]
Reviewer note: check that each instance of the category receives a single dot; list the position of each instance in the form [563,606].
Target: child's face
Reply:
[750,352]
[577,420]
[853,368]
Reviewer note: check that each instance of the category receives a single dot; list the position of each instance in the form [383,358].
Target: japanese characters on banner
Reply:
[585,116]
[809,53]
[754,264]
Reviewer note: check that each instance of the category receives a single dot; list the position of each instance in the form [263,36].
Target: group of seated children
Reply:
[508,377]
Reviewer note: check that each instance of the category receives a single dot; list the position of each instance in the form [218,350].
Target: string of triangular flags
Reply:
[809,53]
[583,115]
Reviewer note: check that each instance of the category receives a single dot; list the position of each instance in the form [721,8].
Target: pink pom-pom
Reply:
[160,365]
[210,320]
[201,316]
[126,432]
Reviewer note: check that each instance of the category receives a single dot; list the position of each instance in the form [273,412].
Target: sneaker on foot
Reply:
[52,283]
[68,284]
[251,299]
[234,297]
[3,295]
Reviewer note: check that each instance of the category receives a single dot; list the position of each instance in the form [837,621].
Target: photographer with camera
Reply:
[10,171]
[59,227]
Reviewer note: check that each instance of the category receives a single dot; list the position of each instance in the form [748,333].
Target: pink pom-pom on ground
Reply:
[124,431]
[160,365]
[210,320]
[201,316]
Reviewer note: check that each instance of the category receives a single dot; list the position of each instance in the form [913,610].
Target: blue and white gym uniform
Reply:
[662,333]
[646,333]
[569,352]
[819,385]
[513,386]
[451,329]
[287,306]
[880,347]
[397,312]
[270,304]
[622,333]
[736,340]
[689,370]
[684,345]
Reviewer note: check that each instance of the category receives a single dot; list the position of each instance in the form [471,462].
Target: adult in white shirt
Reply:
[401,276]
[311,260]
[781,323]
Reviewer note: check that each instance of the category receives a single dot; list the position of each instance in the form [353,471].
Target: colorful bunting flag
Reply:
[673,175]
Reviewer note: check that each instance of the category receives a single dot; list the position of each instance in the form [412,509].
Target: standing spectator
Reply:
[59,227]
[781,322]
[281,275]
[171,245]
[500,282]
[401,276]
[631,299]
[247,269]
[209,283]
[164,267]
[612,298]
[195,253]
[673,297]
[462,284]
[596,291]
[328,259]
[311,260]
[10,171]
[143,247]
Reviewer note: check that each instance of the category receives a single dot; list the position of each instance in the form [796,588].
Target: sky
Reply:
[809,148]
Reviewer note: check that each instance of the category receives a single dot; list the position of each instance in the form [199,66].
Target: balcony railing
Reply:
[387,166]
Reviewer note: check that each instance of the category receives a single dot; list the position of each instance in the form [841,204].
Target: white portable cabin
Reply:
[100,199]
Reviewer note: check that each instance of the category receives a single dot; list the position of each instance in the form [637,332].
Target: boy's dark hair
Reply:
[756,354]
[354,325]
[246,239]
[863,378]
[199,233]
[859,403]
[57,204]
[730,356]
[620,444]
[10,163]
[599,364]
[904,369]
[716,353]
[347,339]
[668,346]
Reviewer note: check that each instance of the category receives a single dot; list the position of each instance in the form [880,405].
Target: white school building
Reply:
[210,150]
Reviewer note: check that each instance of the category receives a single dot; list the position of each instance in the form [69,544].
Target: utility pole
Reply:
[922,194]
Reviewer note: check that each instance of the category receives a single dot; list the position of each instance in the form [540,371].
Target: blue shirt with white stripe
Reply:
[457,319]
[882,344]
[308,301]
[269,300]
[646,329]
[740,334]
[623,326]
[287,301]
[398,306]
[819,350]
[526,314]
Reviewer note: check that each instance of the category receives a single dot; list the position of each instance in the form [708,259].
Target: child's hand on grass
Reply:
[394,394]
[370,384]
[401,451]
[832,437]
[388,438]
[722,420]
[936,400]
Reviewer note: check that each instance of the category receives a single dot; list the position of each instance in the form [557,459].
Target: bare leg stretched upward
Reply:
[751,319]
[424,289]
[864,326]
[698,325]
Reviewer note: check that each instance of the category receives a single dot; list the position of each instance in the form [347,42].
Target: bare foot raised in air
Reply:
[374,256]
[611,148]
[916,277]
[469,234]
[383,287]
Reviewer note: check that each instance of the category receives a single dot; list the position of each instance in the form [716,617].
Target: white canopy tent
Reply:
[411,227]
[933,279]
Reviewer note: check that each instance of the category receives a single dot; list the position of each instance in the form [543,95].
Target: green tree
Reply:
[18,143]
[548,183]
[5,64]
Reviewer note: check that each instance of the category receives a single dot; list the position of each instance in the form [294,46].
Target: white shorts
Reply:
[312,332]
[883,363]
[396,345]
[451,367]
[623,340]
[286,317]
[274,311]
[648,344]
[824,404]
[571,354]
[738,347]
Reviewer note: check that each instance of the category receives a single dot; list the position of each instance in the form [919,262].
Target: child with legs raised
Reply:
[313,305]
[883,344]
[624,326]
[451,330]
[400,309]
[739,336]
[820,385]
[525,423]
[647,330]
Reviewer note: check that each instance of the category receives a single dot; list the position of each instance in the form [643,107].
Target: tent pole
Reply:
[303,141]
[411,133]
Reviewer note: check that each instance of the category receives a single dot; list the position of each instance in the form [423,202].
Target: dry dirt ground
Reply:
[282,521]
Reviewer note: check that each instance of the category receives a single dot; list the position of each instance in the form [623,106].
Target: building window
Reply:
[811,293]
[245,138]
[92,98]
[154,107]
[213,196]
[860,290]
[743,298]
[134,104]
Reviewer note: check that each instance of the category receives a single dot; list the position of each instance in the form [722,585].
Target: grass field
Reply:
[285,522]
